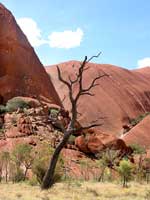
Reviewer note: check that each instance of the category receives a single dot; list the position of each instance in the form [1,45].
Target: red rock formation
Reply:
[139,134]
[95,141]
[122,96]
[21,73]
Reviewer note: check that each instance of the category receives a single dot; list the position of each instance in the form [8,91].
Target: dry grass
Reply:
[75,191]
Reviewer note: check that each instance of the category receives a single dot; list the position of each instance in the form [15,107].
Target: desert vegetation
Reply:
[28,164]
[75,190]
[13,105]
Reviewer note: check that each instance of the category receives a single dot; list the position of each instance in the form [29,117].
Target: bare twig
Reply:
[87,127]
[94,57]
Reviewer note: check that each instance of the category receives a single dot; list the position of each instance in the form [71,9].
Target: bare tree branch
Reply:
[71,128]
[87,127]
[93,84]
[61,79]
[94,57]
[87,93]
[64,98]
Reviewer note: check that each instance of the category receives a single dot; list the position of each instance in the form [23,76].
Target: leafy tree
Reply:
[139,151]
[5,159]
[125,170]
[107,158]
[74,98]
[22,155]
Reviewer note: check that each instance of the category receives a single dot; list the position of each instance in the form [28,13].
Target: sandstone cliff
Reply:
[21,73]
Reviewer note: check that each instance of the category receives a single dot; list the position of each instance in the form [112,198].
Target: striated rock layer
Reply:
[21,73]
[122,96]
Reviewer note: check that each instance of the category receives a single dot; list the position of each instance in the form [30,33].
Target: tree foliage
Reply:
[125,170]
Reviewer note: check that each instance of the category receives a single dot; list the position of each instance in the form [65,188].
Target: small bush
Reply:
[125,170]
[71,139]
[39,169]
[53,112]
[17,175]
[135,121]
[22,154]
[137,149]
[33,181]
[3,109]
[15,103]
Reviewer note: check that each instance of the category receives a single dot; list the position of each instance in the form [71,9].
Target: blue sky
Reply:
[62,30]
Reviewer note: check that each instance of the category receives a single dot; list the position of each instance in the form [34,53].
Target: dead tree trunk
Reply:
[48,179]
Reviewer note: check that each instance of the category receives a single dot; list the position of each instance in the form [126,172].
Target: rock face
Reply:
[21,73]
[122,96]
[140,134]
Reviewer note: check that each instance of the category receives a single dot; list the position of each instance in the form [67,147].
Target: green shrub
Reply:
[22,154]
[135,121]
[53,112]
[137,149]
[125,170]
[3,109]
[71,139]
[17,175]
[33,181]
[39,168]
[15,103]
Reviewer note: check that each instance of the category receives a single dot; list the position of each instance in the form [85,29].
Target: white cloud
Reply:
[145,62]
[32,31]
[66,39]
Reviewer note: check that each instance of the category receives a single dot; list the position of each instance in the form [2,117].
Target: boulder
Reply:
[95,141]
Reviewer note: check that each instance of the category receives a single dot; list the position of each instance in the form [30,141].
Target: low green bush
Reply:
[137,149]
[33,181]
[53,112]
[15,103]
[71,139]
[3,109]
[135,121]
[17,175]
[125,170]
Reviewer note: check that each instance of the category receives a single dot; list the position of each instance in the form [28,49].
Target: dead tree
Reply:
[74,99]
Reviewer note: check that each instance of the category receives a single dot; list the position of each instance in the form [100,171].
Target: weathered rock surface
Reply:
[30,126]
[21,72]
[139,134]
[122,96]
